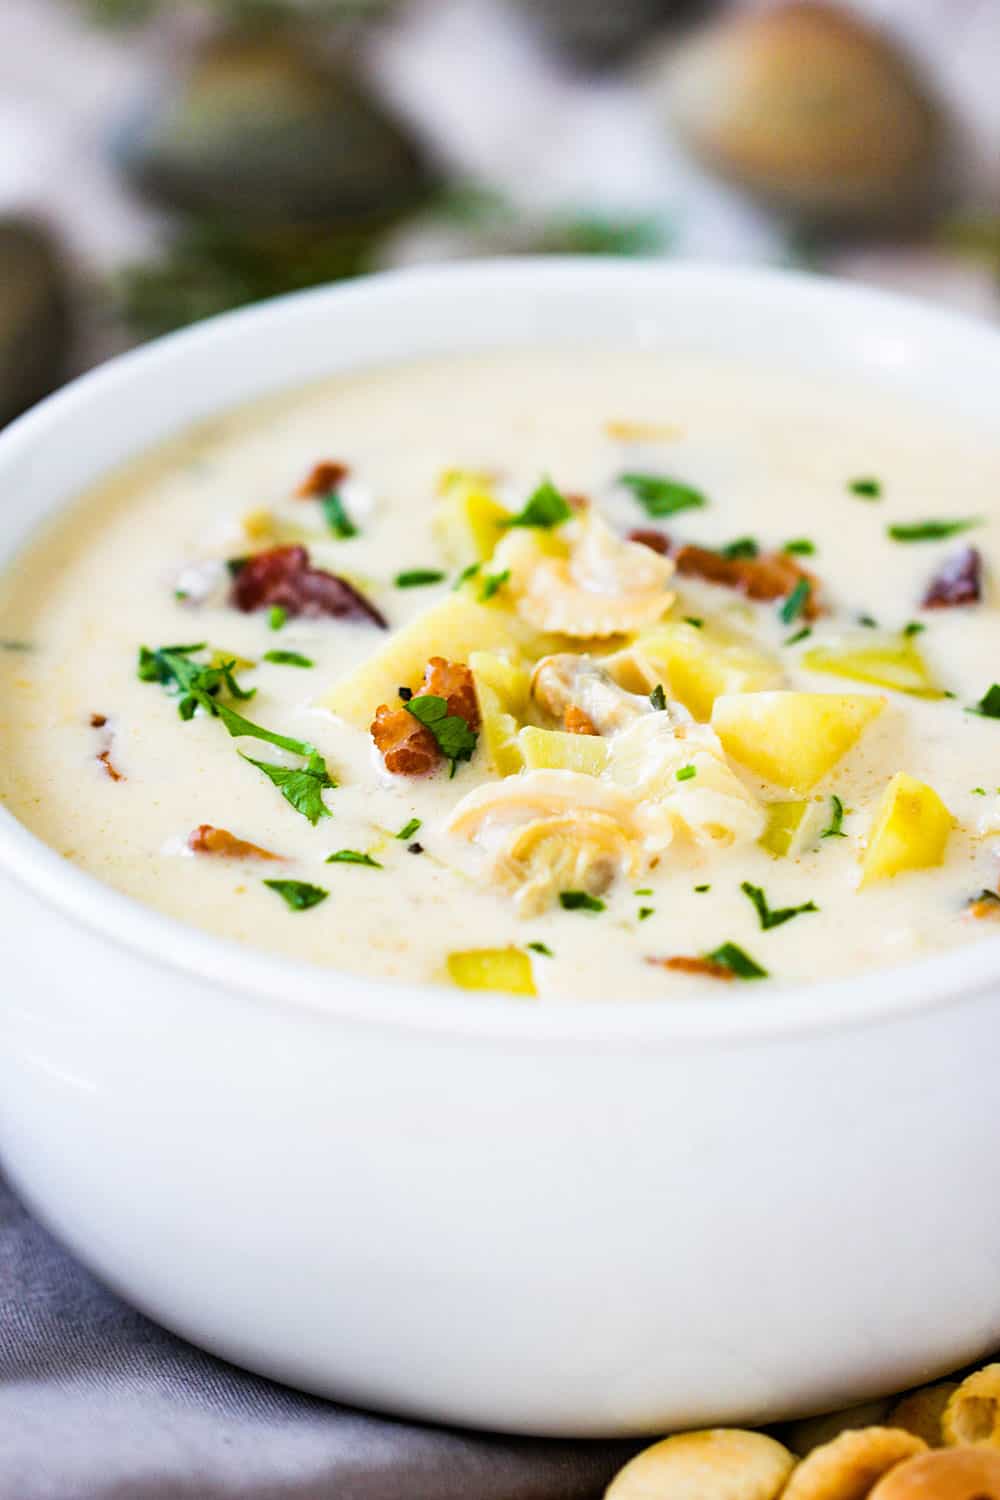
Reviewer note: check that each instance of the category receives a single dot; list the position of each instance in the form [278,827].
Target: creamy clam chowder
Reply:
[571,675]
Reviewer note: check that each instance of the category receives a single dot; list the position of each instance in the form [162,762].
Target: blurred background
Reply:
[163,160]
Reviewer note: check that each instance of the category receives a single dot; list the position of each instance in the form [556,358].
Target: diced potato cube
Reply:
[506,969]
[453,628]
[468,518]
[697,665]
[554,749]
[785,832]
[792,739]
[910,830]
[502,691]
[886,661]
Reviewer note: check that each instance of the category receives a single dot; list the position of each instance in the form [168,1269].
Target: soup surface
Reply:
[682,674]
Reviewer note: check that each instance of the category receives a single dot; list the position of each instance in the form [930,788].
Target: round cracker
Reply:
[972,1414]
[921,1411]
[946,1474]
[847,1468]
[721,1463]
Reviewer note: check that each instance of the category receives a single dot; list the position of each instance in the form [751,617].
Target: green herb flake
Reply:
[545,508]
[418,578]
[868,621]
[932,531]
[988,706]
[352,857]
[979,791]
[194,684]
[913,628]
[658,697]
[743,546]
[800,635]
[302,789]
[298,895]
[455,739]
[732,957]
[288,659]
[276,617]
[542,948]
[866,488]
[687,773]
[492,584]
[646,890]
[660,496]
[773,917]
[579,901]
[336,517]
[835,828]
[800,546]
[466,574]
[701,889]
[796,602]
[693,620]
[409,829]
[645,911]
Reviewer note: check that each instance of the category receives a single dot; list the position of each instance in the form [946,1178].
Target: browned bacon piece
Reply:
[283,576]
[683,965]
[958,581]
[321,479]
[407,746]
[105,758]
[575,721]
[656,541]
[773,575]
[208,840]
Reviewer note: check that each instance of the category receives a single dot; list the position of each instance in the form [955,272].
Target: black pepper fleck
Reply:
[414,848]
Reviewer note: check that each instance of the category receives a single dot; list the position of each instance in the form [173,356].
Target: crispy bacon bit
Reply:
[407,746]
[321,479]
[577,502]
[656,541]
[682,965]
[208,840]
[575,721]
[98,721]
[959,581]
[773,575]
[105,758]
[282,576]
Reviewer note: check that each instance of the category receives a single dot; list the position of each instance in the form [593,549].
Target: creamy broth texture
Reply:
[774,456]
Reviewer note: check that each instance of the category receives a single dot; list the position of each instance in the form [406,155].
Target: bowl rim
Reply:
[782,1010]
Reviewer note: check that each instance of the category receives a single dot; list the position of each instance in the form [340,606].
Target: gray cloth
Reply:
[97,1403]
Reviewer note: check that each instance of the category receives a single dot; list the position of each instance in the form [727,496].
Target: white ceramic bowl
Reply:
[612,1219]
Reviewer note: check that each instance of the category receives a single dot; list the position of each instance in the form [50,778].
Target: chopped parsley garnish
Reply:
[288,659]
[743,546]
[466,574]
[796,602]
[545,508]
[542,948]
[408,829]
[913,628]
[236,565]
[868,621]
[693,620]
[298,895]
[418,578]
[658,697]
[686,773]
[302,789]
[646,890]
[701,889]
[336,516]
[352,857]
[932,531]
[773,917]
[455,739]
[579,901]
[866,488]
[645,911]
[988,706]
[800,635]
[800,546]
[660,496]
[195,684]
[739,963]
[492,584]
[979,791]
[276,616]
[835,829]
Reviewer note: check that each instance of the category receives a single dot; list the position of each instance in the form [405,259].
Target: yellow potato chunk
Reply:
[972,1414]
[506,969]
[468,518]
[453,628]
[722,1463]
[502,691]
[555,750]
[785,829]
[910,830]
[889,662]
[696,666]
[792,739]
